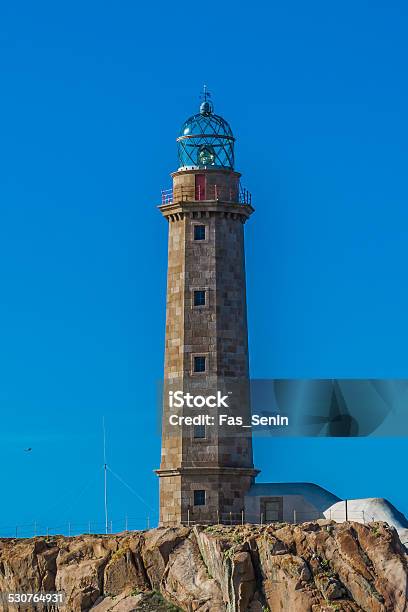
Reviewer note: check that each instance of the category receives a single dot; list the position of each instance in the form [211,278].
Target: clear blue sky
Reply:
[92,96]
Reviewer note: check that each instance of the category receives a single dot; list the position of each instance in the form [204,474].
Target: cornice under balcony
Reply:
[175,211]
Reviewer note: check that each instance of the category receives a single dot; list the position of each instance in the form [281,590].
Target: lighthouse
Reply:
[206,473]
[206,463]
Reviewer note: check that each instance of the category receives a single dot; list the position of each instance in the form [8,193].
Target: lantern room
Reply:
[206,140]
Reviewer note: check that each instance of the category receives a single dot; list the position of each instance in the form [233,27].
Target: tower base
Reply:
[224,491]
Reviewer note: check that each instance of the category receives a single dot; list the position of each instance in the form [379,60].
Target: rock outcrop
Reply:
[320,566]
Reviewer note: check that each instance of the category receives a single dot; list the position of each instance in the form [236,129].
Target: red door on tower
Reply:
[200,186]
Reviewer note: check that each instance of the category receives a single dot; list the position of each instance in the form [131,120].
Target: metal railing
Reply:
[245,196]
[209,193]
[166,196]
[73,527]
[195,516]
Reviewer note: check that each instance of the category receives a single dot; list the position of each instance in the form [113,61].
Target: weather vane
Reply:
[205,96]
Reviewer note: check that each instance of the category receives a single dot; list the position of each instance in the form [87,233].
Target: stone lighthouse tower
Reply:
[206,465]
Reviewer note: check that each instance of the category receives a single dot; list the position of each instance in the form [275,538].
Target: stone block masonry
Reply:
[210,260]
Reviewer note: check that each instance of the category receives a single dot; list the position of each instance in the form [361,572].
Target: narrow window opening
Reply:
[199,363]
[199,432]
[199,497]
[199,298]
[199,232]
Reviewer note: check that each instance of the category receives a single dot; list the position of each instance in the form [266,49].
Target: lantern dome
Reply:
[206,140]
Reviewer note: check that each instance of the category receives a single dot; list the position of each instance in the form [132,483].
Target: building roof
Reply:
[317,496]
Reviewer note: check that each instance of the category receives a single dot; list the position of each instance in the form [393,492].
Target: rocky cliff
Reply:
[319,566]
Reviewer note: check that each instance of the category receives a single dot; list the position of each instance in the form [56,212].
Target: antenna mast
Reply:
[105,472]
